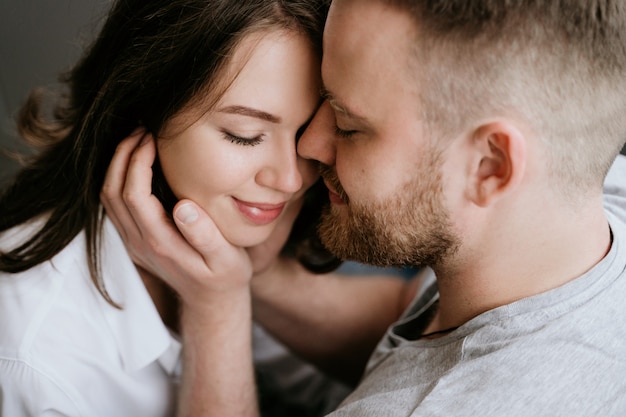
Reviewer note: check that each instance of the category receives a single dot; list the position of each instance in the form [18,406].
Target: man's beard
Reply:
[410,228]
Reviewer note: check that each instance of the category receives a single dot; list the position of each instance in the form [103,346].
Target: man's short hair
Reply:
[559,66]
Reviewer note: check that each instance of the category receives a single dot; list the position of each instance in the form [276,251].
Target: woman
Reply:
[224,88]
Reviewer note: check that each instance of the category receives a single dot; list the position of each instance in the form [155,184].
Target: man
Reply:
[474,137]
[482,155]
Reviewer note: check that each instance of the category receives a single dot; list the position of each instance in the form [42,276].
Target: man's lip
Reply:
[260,213]
[333,195]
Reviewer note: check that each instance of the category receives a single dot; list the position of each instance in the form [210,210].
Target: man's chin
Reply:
[349,243]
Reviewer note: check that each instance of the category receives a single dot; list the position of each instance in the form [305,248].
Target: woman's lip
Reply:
[259,213]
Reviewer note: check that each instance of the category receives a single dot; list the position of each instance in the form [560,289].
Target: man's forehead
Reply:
[366,45]
[362,28]
[350,21]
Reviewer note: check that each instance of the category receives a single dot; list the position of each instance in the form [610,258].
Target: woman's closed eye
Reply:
[241,140]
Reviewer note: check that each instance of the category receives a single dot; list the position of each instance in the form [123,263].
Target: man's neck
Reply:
[527,259]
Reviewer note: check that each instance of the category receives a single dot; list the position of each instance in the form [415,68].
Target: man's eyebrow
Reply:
[339,107]
[250,112]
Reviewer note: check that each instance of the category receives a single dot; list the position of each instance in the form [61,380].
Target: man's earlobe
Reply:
[500,159]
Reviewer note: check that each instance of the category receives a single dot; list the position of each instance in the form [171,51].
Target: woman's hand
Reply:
[211,276]
[187,255]
[192,256]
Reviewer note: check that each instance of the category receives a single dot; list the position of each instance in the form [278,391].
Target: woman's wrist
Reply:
[218,376]
[216,306]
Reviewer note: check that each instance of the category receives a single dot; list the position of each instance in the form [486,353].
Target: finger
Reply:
[111,193]
[137,191]
[153,232]
[146,210]
[229,265]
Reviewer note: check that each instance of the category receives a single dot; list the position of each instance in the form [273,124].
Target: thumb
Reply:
[226,262]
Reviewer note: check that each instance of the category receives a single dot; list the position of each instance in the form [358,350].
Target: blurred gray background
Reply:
[38,40]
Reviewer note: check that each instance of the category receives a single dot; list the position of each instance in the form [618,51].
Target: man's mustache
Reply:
[331,178]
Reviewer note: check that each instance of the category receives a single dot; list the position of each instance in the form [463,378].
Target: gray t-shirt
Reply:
[559,353]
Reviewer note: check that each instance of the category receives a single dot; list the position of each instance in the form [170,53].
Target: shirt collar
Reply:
[141,335]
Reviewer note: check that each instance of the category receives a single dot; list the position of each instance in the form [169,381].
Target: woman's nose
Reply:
[281,170]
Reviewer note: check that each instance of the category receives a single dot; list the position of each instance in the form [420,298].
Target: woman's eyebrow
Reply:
[250,112]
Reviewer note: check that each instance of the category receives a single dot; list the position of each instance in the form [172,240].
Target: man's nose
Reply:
[317,141]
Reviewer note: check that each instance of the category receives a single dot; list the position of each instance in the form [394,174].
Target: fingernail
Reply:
[146,138]
[137,131]
[186,213]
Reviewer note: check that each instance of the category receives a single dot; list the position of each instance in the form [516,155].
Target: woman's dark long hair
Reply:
[150,60]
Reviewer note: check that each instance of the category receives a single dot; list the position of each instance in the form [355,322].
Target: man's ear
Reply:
[499,161]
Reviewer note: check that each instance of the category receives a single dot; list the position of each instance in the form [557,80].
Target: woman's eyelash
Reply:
[344,133]
[238,140]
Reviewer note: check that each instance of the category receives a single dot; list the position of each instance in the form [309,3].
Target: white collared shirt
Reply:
[65,351]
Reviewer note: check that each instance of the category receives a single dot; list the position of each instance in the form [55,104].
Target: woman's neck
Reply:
[164,298]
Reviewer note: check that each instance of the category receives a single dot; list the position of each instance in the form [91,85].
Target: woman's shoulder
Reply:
[12,238]
[40,300]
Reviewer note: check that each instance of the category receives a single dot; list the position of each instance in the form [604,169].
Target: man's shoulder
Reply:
[615,189]
[528,358]
[573,375]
